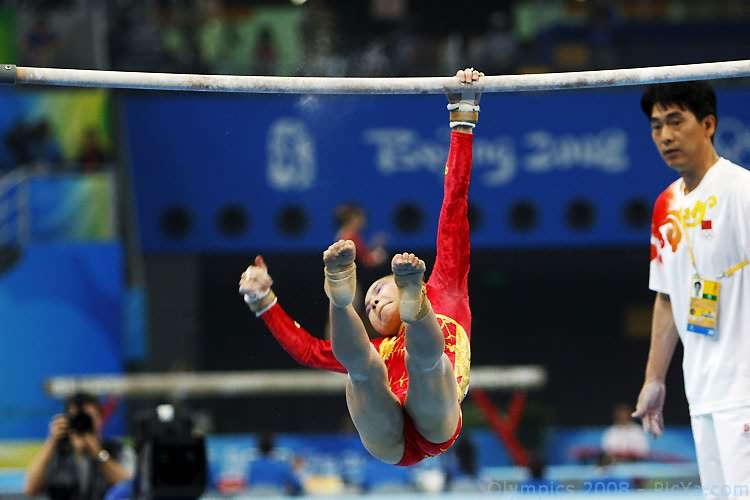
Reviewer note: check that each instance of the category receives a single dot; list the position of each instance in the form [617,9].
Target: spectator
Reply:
[605,480]
[462,467]
[75,463]
[16,140]
[266,53]
[33,146]
[497,48]
[351,221]
[92,156]
[624,440]
[40,44]
[269,471]
[43,151]
[465,459]
[214,36]
[178,42]
[537,483]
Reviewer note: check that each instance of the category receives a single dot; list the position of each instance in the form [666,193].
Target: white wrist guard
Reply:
[251,299]
[462,124]
[463,105]
[260,312]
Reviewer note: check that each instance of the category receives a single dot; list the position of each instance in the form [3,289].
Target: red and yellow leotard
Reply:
[447,290]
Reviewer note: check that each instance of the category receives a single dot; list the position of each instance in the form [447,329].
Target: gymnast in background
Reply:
[405,388]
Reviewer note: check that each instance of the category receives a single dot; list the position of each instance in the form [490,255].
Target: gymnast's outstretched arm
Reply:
[307,350]
[447,287]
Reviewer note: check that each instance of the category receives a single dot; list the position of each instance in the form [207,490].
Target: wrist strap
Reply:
[269,306]
[463,113]
[462,124]
[463,106]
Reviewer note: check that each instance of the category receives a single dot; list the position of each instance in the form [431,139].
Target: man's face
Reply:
[381,306]
[682,140]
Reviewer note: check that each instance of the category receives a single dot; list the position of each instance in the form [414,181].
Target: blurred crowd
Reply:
[378,37]
[35,146]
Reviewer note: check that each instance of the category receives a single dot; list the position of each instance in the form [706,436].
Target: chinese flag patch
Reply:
[705,224]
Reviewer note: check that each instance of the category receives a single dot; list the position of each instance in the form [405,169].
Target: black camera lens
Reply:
[81,423]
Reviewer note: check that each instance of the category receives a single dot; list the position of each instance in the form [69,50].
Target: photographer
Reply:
[74,462]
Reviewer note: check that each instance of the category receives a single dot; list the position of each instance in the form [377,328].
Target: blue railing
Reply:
[45,208]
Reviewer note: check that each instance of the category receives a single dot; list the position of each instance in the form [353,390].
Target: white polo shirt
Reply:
[717,216]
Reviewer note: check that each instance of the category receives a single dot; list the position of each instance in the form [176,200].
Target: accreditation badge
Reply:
[704,306]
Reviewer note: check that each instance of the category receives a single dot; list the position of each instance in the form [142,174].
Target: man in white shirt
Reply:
[700,245]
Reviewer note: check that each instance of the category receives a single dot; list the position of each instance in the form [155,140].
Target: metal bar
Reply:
[7,74]
[417,85]
[276,382]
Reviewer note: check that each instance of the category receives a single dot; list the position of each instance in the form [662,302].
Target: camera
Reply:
[81,423]
[172,460]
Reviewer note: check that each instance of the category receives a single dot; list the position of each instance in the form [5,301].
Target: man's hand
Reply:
[58,428]
[255,285]
[464,106]
[650,406]
[91,444]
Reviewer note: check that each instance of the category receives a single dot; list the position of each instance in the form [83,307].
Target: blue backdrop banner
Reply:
[244,173]
[61,314]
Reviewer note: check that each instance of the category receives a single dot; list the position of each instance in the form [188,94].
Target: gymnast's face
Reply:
[381,306]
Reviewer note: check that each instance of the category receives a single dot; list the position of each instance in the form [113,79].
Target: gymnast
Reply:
[404,389]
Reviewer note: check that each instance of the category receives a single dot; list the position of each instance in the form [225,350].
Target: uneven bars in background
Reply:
[276,382]
[10,74]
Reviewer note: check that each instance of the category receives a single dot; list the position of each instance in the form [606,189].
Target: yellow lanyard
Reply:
[725,273]
[731,270]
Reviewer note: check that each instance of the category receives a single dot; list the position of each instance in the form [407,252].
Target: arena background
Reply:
[128,264]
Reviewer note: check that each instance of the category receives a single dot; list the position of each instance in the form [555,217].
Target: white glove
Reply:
[650,406]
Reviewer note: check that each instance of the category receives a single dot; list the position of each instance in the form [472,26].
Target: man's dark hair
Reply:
[80,399]
[697,97]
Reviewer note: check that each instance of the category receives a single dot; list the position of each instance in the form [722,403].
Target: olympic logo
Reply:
[290,152]
[732,140]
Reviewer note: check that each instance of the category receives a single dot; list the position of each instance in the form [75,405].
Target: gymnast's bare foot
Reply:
[340,272]
[408,271]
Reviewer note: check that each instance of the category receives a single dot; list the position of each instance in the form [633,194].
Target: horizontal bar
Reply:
[7,74]
[417,85]
[276,382]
